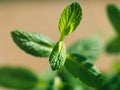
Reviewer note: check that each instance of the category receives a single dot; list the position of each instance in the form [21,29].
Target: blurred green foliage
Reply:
[19,78]
[113,12]
[112,79]
[89,47]
[113,46]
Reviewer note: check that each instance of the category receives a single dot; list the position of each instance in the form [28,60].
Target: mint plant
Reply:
[69,20]
[78,59]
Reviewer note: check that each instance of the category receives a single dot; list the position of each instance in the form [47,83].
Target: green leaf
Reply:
[58,55]
[18,78]
[84,70]
[33,43]
[70,18]
[114,16]
[113,46]
[90,47]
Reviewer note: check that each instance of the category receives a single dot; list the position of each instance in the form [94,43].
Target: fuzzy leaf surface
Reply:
[58,55]
[33,43]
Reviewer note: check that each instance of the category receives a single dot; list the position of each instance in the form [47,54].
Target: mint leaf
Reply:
[79,67]
[114,16]
[58,55]
[113,46]
[18,78]
[90,47]
[70,18]
[33,43]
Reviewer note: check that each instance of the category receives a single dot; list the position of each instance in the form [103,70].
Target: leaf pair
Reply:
[114,16]
[69,20]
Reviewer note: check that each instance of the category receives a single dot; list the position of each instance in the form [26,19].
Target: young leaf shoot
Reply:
[70,19]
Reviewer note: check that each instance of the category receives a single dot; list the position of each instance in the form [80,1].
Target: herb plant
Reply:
[77,59]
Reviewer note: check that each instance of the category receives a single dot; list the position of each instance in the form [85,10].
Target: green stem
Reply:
[62,38]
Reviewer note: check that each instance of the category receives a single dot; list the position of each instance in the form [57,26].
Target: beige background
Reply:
[43,16]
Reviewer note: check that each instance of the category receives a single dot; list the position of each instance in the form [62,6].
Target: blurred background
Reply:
[43,16]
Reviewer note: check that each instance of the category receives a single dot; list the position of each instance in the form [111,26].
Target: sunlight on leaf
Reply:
[70,18]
